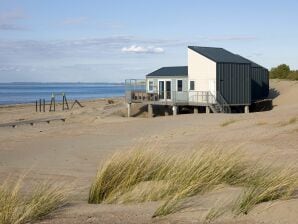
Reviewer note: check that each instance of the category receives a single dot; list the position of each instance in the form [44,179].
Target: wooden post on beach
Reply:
[64,102]
[39,105]
[53,104]
[44,105]
[36,105]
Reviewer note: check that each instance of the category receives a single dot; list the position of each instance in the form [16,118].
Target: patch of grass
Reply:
[150,175]
[215,213]
[266,185]
[292,120]
[16,208]
[260,123]
[110,101]
[226,123]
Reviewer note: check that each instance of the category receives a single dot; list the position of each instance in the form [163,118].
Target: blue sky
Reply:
[109,41]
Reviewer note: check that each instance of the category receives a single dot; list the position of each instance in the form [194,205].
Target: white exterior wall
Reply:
[202,70]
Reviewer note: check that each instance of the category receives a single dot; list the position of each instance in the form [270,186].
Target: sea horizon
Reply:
[28,92]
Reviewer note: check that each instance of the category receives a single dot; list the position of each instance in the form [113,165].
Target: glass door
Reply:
[168,90]
[161,90]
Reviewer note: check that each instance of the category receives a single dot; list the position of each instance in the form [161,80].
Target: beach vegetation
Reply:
[228,122]
[283,71]
[150,175]
[18,208]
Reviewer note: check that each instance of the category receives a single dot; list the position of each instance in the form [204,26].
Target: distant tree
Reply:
[280,72]
[293,75]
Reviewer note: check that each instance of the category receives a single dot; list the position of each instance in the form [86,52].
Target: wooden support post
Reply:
[62,101]
[246,109]
[66,103]
[53,104]
[36,105]
[150,110]
[39,105]
[195,110]
[129,110]
[166,111]
[175,110]
[44,105]
[207,110]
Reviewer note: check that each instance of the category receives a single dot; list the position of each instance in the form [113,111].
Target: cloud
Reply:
[231,38]
[75,21]
[144,50]
[8,20]
[23,50]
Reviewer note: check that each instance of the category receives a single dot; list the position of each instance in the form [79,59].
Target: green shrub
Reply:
[283,71]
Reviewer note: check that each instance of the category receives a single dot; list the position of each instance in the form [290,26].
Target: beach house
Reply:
[214,79]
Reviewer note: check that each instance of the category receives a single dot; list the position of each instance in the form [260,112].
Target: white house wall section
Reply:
[202,70]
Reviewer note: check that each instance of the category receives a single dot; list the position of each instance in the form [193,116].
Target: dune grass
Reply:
[150,175]
[226,123]
[266,185]
[260,123]
[17,208]
[215,213]
[292,120]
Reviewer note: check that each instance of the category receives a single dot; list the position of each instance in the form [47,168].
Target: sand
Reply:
[72,151]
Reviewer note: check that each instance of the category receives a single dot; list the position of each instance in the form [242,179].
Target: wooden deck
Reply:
[32,122]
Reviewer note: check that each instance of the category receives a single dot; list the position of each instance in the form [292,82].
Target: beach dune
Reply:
[72,151]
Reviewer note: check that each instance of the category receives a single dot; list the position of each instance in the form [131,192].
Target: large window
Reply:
[150,86]
[179,85]
[191,85]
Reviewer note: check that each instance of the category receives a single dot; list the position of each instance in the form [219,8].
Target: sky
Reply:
[110,41]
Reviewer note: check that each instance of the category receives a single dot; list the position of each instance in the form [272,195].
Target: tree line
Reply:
[283,71]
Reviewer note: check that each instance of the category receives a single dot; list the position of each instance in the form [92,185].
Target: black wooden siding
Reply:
[234,82]
[259,83]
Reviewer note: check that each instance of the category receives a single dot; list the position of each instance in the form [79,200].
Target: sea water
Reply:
[16,93]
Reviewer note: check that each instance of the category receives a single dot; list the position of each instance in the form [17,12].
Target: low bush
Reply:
[283,71]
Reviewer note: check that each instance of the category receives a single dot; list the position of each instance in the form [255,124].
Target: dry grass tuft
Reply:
[110,101]
[292,120]
[150,175]
[16,208]
[215,213]
[262,123]
[226,123]
[266,185]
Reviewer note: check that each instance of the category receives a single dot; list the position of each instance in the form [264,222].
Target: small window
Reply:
[150,86]
[192,85]
[179,85]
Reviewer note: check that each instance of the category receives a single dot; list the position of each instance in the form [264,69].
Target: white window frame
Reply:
[177,85]
[150,80]
[194,85]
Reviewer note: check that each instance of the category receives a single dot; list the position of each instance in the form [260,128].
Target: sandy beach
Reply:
[72,151]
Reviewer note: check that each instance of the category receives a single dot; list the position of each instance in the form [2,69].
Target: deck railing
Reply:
[171,97]
[135,91]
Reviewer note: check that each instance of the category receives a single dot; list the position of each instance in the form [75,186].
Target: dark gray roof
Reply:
[170,71]
[253,64]
[219,55]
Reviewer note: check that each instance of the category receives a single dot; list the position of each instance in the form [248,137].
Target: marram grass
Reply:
[17,208]
[150,175]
